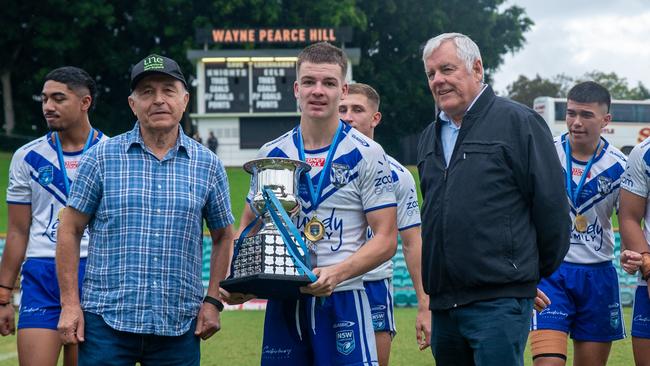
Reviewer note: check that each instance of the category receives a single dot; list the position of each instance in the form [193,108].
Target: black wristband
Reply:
[7,287]
[213,301]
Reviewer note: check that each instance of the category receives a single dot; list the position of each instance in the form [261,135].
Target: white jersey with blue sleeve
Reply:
[636,180]
[36,179]
[359,181]
[408,213]
[597,201]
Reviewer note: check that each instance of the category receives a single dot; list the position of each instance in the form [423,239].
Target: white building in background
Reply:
[245,97]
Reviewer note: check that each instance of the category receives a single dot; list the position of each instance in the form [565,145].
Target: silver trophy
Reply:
[262,264]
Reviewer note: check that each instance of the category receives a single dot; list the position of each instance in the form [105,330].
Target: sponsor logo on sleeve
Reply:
[383,184]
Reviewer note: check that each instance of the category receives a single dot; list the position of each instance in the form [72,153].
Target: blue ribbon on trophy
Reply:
[298,260]
[276,261]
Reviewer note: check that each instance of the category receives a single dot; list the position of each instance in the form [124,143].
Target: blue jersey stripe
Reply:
[408,227]
[47,188]
[380,207]
[38,161]
[18,203]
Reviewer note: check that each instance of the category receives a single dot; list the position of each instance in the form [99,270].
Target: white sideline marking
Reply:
[6,356]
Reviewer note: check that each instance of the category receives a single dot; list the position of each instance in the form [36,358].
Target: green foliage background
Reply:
[107,38]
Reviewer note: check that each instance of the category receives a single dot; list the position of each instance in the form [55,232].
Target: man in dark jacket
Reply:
[494,218]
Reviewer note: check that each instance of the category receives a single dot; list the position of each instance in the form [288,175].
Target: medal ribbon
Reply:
[273,204]
[59,153]
[573,195]
[315,194]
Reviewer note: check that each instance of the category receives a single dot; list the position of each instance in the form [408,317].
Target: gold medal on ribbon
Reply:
[581,223]
[314,230]
[61,213]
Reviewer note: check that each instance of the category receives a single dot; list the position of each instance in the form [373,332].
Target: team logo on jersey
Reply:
[339,175]
[345,341]
[45,175]
[604,185]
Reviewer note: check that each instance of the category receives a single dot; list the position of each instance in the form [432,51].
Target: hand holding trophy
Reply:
[275,261]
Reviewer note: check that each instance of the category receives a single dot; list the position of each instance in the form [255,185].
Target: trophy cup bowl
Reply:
[262,264]
[281,175]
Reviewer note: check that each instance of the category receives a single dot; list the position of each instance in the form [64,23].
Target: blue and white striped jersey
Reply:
[359,181]
[596,201]
[408,213]
[36,179]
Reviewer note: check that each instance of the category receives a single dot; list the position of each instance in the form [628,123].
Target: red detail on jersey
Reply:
[72,164]
[578,172]
[315,162]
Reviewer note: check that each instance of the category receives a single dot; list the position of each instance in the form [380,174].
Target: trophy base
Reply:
[267,286]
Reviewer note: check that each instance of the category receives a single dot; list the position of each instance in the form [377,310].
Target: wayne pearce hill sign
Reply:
[274,35]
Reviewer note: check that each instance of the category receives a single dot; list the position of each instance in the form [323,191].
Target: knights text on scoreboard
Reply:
[250,87]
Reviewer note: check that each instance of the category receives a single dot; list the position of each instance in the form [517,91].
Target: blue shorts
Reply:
[380,296]
[585,303]
[334,330]
[641,313]
[40,303]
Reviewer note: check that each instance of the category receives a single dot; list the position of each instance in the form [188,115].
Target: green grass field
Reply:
[5,159]
[239,341]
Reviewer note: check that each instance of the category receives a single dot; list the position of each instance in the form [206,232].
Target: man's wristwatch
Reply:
[213,301]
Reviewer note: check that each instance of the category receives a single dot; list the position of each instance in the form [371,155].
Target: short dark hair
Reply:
[365,90]
[590,92]
[323,53]
[75,79]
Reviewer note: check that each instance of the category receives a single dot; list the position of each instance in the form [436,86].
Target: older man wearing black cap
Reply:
[145,195]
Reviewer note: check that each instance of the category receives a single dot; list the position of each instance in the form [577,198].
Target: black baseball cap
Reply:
[156,64]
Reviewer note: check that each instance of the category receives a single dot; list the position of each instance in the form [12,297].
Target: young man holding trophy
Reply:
[348,189]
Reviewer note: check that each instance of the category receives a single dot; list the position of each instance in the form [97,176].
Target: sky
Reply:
[578,36]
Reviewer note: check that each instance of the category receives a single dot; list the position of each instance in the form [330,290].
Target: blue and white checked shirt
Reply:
[143,273]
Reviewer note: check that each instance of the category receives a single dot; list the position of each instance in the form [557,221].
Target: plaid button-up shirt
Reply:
[143,273]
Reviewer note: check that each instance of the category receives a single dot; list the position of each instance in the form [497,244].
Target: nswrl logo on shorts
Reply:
[378,320]
[345,341]
[614,315]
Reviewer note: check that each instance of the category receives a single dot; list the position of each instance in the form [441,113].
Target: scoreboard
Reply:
[249,86]
[245,96]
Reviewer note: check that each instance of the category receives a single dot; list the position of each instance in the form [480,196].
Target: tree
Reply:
[37,33]
[391,46]
[108,38]
[618,86]
[525,90]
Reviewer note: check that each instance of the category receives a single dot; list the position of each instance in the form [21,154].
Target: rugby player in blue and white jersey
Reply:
[331,323]
[40,175]
[360,109]
[635,236]
[583,291]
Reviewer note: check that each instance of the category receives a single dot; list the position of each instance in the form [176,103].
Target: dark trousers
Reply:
[106,346]
[484,333]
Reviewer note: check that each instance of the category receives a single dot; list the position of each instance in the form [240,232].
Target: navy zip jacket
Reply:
[497,218]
